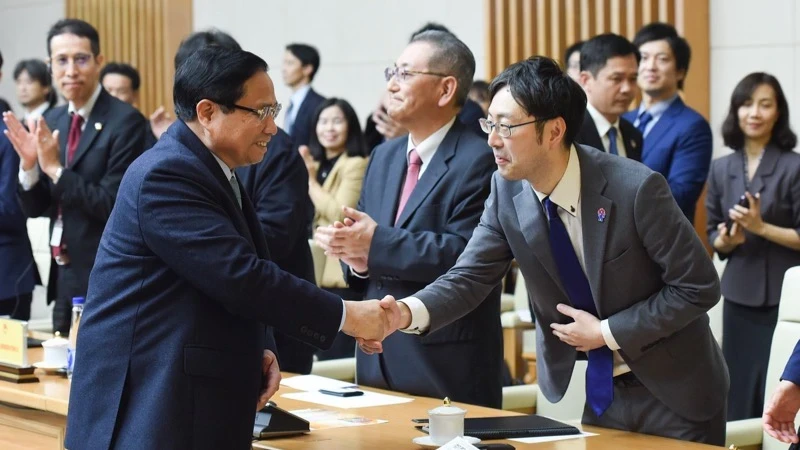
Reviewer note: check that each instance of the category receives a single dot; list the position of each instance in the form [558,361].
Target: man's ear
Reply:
[205,110]
[448,90]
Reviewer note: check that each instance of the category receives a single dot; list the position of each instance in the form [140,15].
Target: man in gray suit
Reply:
[613,268]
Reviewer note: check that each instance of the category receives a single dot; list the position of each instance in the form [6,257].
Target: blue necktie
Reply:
[600,371]
[644,119]
[288,120]
[612,141]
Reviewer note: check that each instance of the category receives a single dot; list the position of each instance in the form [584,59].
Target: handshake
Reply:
[371,321]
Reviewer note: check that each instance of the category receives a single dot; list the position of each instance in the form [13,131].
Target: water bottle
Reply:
[77,312]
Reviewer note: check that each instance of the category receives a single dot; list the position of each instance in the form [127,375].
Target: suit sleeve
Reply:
[691,285]
[11,216]
[690,164]
[329,204]
[420,256]
[97,199]
[477,271]
[715,212]
[792,370]
[281,202]
[208,253]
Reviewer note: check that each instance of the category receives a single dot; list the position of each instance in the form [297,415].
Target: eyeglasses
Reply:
[402,74]
[503,130]
[81,60]
[269,110]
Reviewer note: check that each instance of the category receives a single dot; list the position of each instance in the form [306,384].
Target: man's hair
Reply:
[213,73]
[481,90]
[202,39]
[1,60]
[78,28]
[658,31]
[37,71]
[544,91]
[451,57]
[125,70]
[430,26]
[598,50]
[308,56]
[576,47]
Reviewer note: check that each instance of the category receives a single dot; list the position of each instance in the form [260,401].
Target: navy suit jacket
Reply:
[792,370]
[278,188]
[464,360]
[112,139]
[302,126]
[18,272]
[679,146]
[631,137]
[170,346]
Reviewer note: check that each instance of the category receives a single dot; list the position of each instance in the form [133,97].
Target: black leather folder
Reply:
[515,427]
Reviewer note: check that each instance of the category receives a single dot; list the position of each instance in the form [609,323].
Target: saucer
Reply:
[47,366]
[427,442]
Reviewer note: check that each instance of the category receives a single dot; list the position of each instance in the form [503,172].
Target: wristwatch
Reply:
[59,171]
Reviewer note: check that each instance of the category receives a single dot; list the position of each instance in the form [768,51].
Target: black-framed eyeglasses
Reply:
[504,130]
[402,74]
[269,110]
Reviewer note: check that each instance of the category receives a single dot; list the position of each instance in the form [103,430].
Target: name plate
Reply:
[14,342]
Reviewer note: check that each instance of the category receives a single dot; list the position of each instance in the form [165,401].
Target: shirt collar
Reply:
[86,110]
[600,122]
[427,148]
[658,109]
[567,193]
[35,113]
[298,96]
[225,168]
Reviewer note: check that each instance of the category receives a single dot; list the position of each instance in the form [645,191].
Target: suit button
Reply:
[309,333]
[380,285]
[316,336]
[303,329]
[323,339]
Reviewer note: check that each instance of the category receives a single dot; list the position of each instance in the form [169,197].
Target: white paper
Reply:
[458,443]
[324,419]
[315,383]
[361,401]
[538,440]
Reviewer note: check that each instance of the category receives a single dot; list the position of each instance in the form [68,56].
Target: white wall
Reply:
[356,39]
[749,36]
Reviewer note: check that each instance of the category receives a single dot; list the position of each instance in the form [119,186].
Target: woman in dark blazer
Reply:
[753,205]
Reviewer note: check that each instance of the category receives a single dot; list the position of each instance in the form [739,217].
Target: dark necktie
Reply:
[612,141]
[600,371]
[644,119]
[412,176]
[236,191]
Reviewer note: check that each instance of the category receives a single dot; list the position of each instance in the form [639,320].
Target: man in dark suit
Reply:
[80,165]
[421,200]
[4,106]
[171,351]
[278,188]
[677,139]
[612,267]
[300,65]
[609,64]
[18,271]
[123,81]
[781,410]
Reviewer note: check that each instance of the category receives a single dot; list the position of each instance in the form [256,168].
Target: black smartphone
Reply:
[419,420]
[342,392]
[742,202]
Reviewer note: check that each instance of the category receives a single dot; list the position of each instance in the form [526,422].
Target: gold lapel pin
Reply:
[633,144]
[98,126]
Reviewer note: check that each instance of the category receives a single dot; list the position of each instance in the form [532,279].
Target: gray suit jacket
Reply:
[648,270]
[754,272]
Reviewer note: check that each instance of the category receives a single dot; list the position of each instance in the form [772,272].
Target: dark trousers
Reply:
[746,342]
[635,409]
[67,287]
[18,307]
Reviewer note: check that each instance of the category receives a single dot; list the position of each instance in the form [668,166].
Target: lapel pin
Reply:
[98,126]
[571,209]
[633,143]
[601,215]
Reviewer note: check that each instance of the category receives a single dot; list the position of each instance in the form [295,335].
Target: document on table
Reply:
[315,383]
[360,401]
[539,440]
[323,419]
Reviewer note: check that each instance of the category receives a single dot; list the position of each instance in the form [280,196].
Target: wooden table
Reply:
[33,416]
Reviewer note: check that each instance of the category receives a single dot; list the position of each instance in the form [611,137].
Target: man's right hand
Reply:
[780,411]
[372,320]
[23,141]
[160,120]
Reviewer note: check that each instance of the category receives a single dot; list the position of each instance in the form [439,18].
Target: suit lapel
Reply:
[765,169]
[595,231]
[395,176]
[632,149]
[253,231]
[533,223]
[332,177]
[93,126]
[62,124]
[590,133]
[664,123]
[436,169]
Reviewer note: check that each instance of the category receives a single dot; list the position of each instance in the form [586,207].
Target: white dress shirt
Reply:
[566,195]
[28,178]
[35,113]
[603,125]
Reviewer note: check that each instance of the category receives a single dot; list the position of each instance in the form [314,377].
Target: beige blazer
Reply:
[341,188]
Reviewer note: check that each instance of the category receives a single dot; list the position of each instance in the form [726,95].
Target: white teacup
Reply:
[55,352]
[445,423]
